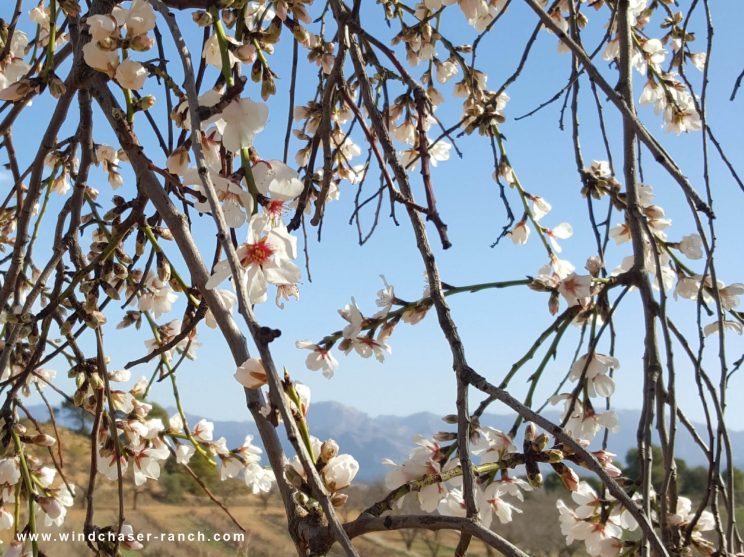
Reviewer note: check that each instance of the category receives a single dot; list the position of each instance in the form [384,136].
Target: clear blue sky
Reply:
[497,326]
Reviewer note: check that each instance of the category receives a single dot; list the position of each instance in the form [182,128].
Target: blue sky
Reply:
[497,326]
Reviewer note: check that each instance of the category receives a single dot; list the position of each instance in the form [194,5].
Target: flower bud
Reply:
[96,383]
[530,431]
[593,265]
[535,480]
[139,243]
[56,87]
[20,429]
[444,436]
[164,268]
[339,499]
[43,440]
[300,498]
[541,441]
[228,16]
[568,476]
[108,43]
[554,303]
[256,71]
[268,88]
[328,450]
[202,19]
[141,43]
[146,102]
[554,455]
[300,33]
[246,53]
[70,7]
[450,419]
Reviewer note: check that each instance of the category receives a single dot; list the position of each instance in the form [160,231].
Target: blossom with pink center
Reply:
[367,346]
[492,444]
[492,504]
[203,430]
[265,258]
[576,289]
[318,358]
[422,461]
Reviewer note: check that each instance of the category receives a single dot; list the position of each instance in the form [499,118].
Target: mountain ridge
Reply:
[371,439]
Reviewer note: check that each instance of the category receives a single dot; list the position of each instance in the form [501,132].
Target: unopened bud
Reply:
[444,436]
[300,498]
[108,43]
[256,71]
[268,88]
[568,476]
[339,499]
[246,53]
[202,19]
[139,243]
[536,480]
[56,87]
[163,232]
[228,16]
[450,419]
[554,455]
[164,268]
[146,102]
[554,303]
[66,327]
[593,265]
[530,431]
[141,43]
[96,383]
[20,429]
[43,440]
[70,7]
[541,441]
[328,450]
[300,33]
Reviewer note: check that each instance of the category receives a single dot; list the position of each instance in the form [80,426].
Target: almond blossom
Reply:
[560,232]
[130,74]
[237,203]
[576,289]
[265,258]
[422,461]
[251,374]
[493,506]
[318,358]
[594,368]
[243,120]
[692,246]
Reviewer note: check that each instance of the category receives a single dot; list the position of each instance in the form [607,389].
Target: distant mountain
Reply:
[372,439]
